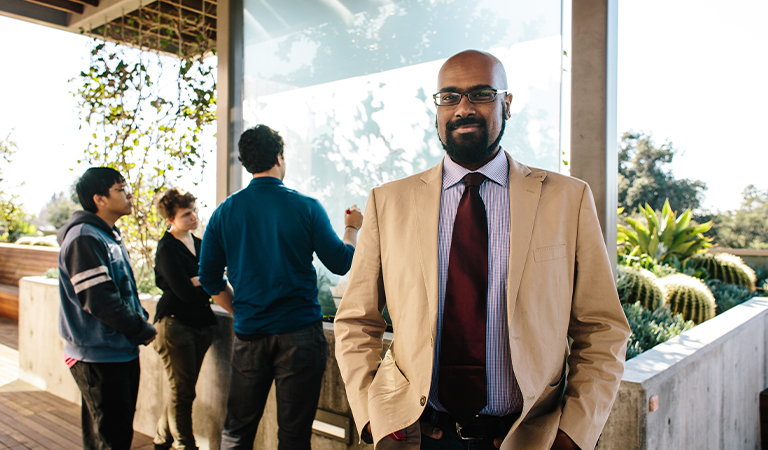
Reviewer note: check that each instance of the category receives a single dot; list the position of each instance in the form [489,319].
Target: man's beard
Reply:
[474,149]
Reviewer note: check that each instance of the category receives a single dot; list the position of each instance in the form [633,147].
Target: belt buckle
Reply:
[464,438]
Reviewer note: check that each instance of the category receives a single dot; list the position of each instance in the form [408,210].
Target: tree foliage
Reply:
[14,220]
[744,227]
[147,113]
[644,178]
[60,208]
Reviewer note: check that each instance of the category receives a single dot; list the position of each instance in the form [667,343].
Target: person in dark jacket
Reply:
[101,319]
[184,317]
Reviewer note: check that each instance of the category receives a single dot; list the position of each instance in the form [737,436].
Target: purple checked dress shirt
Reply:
[503,394]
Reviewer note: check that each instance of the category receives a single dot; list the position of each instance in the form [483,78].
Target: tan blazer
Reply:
[559,285]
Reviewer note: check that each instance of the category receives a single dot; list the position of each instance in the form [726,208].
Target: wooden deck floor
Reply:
[35,419]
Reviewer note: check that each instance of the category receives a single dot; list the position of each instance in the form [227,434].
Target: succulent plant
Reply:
[730,269]
[664,237]
[728,295]
[650,328]
[636,284]
[689,297]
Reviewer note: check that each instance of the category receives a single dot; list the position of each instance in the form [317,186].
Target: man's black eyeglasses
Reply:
[476,96]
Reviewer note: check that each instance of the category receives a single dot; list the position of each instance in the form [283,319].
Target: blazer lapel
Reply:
[524,193]
[425,200]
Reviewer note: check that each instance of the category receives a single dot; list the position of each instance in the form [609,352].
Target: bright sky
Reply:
[691,72]
[694,72]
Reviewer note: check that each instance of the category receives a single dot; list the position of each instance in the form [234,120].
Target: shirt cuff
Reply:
[217,288]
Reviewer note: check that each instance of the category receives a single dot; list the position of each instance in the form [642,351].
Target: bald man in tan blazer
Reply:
[567,331]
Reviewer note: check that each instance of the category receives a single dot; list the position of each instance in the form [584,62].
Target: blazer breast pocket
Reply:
[549,253]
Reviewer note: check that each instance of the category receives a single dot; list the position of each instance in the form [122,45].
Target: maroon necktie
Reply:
[462,385]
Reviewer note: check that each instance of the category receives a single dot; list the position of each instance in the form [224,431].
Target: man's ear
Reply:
[99,200]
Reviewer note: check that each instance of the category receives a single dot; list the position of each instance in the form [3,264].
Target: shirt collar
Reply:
[496,170]
[265,181]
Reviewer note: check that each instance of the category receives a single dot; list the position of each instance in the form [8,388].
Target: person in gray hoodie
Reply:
[101,319]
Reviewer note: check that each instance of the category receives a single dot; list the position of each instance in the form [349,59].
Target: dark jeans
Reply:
[182,348]
[109,392]
[451,441]
[296,362]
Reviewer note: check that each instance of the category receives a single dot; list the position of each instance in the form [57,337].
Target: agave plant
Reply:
[665,237]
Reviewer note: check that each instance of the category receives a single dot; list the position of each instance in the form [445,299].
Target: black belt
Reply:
[480,427]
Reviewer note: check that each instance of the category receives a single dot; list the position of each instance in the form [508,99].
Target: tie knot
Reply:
[474,179]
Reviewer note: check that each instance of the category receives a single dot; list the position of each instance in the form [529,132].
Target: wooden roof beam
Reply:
[87,2]
[61,5]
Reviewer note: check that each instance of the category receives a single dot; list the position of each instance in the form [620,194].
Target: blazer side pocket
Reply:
[548,253]
[551,397]
[388,378]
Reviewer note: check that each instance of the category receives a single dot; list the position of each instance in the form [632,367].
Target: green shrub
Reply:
[52,272]
[762,275]
[145,281]
[664,237]
[728,295]
[730,269]
[636,284]
[324,297]
[689,297]
[651,328]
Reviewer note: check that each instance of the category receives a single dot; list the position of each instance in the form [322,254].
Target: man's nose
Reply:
[465,107]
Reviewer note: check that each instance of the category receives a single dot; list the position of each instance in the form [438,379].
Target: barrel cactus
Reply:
[729,269]
[636,284]
[689,297]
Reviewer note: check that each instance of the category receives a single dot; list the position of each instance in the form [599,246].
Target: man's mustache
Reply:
[452,125]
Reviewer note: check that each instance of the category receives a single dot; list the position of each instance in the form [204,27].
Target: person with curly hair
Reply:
[184,318]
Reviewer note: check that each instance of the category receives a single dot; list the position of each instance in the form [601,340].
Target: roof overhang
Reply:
[142,23]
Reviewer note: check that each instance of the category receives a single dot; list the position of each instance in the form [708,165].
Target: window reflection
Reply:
[348,84]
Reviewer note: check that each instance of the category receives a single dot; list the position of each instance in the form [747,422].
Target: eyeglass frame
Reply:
[461,95]
[125,189]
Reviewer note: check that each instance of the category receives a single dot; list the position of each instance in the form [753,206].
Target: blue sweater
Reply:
[265,235]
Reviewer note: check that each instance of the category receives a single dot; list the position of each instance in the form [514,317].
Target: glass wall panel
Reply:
[348,84]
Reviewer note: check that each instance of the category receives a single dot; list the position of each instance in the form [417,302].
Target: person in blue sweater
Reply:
[265,235]
[101,319]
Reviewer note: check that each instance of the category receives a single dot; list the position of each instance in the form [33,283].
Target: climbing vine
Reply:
[149,114]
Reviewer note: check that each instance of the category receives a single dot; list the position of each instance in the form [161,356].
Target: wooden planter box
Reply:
[17,261]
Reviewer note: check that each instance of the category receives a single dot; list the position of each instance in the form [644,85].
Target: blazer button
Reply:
[423,400]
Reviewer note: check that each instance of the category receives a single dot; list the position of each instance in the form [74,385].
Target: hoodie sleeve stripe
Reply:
[88,273]
[80,287]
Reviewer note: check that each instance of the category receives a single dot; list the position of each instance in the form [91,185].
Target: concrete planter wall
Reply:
[706,381]
[41,363]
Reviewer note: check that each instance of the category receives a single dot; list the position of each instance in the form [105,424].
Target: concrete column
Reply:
[594,154]
[229,100]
